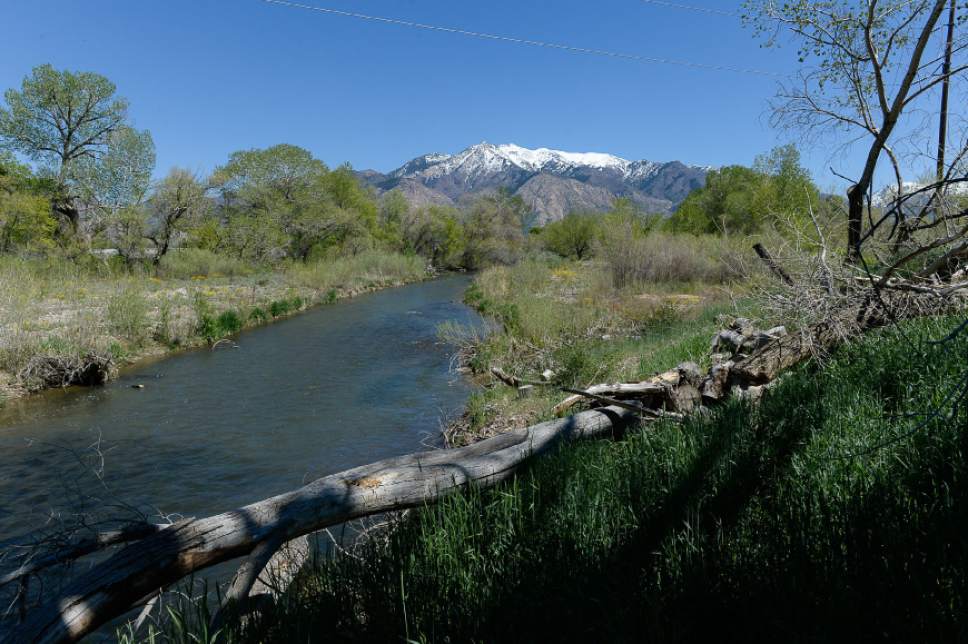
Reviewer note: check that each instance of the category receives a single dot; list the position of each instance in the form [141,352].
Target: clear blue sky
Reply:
[208,77]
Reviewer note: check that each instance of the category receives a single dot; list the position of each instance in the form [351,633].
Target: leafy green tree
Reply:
[394,210]
[26,222]
[789,191]
[119,177]
[435,232]
[729,203]
[777,191]
[128,229]
[495,230]
[344,188]
[629,218]
[66,122]
[262,179]
[301,204]
[573,236]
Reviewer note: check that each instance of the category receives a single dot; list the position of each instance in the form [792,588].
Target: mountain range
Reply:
[551,182]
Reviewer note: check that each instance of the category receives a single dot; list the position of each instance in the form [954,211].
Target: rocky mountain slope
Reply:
[552,182]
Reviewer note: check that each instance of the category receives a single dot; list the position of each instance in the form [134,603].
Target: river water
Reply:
[332,388]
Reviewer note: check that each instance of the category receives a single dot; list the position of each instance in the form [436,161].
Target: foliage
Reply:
[573,236]
[281,200]
[435,232]
[26,222]
[178,201]
[776,192]
[76,128]
[127,315]
[120,176]
[186,263]
[59,117]
[494,230]
[664,258]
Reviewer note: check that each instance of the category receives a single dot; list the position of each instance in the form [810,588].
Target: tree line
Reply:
[89,187]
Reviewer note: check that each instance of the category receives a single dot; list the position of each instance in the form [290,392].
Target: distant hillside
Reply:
[552,182]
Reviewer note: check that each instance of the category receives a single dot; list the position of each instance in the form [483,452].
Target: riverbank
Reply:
[568,325]
[836,505]
[63,324]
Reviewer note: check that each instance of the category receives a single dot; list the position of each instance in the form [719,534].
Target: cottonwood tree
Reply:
[76,128]
[572,236]
[871,71]
[435,232]
[495,229]
[284,194]
[178,200]
[25,219]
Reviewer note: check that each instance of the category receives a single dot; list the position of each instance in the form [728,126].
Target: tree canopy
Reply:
[74,126]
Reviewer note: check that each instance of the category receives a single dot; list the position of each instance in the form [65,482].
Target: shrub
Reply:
[574,236]
[669,258]
[229,322]
[279,307]
[127,315]
[185,263]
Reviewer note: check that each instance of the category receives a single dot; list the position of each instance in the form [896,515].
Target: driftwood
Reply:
[674,391]
[637,389]
[135,572]
[80,548]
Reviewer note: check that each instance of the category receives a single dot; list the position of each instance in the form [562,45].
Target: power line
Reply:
[689,7]
[525,41]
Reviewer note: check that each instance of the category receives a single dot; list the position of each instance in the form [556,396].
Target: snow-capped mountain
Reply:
[552,182]
[918,193]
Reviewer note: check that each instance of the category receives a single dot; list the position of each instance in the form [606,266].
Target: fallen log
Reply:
[111,588]
[82,547]
[637,389]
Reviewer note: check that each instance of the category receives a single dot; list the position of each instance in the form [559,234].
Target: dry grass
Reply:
[666,258]
[67,312]
[570,318]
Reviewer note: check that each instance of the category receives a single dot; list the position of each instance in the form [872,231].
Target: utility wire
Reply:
[525,41]
[689,7]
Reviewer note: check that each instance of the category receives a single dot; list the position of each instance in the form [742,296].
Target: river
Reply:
[337,386]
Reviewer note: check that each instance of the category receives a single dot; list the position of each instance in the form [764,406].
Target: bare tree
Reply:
[869,70]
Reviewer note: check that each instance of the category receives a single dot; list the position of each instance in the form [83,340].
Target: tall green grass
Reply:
[836,509]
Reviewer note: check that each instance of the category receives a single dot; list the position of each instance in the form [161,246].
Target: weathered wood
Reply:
[109,588]
[282,569]
[783,352]
[84,546]
[772,264]
[506,378]
[611,390]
